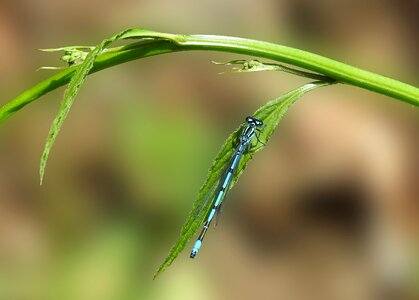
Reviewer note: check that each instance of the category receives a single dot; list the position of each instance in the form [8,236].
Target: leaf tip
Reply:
[160,270]
[155,275]
[43,163]
[41,172]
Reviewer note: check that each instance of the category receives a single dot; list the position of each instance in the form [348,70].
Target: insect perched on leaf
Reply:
[245,141]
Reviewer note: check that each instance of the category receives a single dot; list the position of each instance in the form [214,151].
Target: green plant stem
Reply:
[160,43]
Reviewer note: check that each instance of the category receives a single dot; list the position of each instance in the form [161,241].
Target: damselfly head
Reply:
[254,121]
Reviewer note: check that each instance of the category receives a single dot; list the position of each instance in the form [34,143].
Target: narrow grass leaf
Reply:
[271,114]
[71,92]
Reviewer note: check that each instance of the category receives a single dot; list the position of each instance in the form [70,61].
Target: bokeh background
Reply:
[329,209]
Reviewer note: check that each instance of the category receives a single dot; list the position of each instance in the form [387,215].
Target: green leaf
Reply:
[74,86]
[271,114]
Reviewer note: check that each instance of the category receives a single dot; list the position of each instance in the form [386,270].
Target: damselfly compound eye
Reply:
[258,122]
[250,119]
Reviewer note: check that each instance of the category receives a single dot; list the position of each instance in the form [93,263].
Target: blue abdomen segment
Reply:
[195,248]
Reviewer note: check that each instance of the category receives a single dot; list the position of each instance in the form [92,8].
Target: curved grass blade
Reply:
[161,43]
[71,92]
[271,114]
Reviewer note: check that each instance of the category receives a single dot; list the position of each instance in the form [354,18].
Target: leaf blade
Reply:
[70,94]
[271,114]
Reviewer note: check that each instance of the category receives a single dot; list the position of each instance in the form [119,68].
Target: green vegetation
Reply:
[84,60]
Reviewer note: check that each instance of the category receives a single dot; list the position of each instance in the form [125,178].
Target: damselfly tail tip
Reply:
[195,248]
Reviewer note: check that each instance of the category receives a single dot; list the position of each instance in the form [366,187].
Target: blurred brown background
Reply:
[329,210]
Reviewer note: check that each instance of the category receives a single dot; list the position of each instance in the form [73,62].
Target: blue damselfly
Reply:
[245,140]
